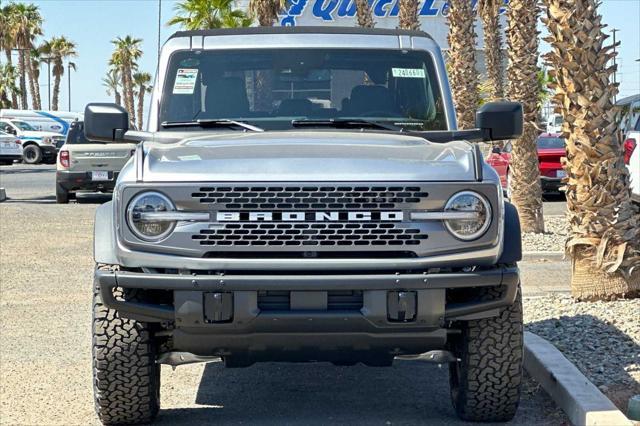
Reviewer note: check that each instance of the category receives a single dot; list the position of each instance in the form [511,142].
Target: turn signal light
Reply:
[64,159]
[18,142]
[629,147]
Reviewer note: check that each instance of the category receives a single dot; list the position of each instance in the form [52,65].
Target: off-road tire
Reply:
[62,195]
[485,384]
[32,154]
[126,378]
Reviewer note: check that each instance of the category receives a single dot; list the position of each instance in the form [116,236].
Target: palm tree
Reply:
[266,11]
[524,174]
[112,83]
[208,14]
[126,54]
[462,62]
[28,25]
[36,60]
[58,49]
[604,225]
[408,15]
[364,14]
[141,80]
[8,34]
[8,87]
[494,58]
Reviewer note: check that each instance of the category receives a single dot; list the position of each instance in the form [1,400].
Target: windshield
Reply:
[23,126]
[551,143]
[271,88]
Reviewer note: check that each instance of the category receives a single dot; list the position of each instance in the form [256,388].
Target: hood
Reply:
[38,134]
[304,156]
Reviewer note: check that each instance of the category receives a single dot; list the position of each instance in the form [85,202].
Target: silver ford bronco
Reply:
[304,194]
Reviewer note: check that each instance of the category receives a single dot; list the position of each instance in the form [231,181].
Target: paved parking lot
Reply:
[45,311]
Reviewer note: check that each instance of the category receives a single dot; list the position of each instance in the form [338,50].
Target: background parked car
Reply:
[632,158]
[10,148]
[551,148]
[85,165]
[47,121]
[37,146]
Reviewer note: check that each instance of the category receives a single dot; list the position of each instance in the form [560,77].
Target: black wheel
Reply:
[62,195]
[126,378]
[485,384]
[32,154]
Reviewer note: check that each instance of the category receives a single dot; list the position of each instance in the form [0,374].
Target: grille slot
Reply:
[310,235]
[337,300]
[309,197]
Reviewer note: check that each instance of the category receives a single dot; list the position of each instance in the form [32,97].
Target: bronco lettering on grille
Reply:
[287,216]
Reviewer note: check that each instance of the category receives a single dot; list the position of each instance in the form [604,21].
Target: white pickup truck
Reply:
[38,146]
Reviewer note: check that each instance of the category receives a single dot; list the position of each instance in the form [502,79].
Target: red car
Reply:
[551,147]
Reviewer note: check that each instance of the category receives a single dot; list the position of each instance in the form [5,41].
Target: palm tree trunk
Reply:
[604,239]
[24,102]
[522,37]
[129,95]
[56,92]
[14,97]
[32,82]
[462,59]
[408,15]
[494,58]
[141,92]
[37,101]
[126,82]
[364,14]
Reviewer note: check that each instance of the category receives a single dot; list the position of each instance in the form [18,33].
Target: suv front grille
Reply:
[310,197]
[310,234]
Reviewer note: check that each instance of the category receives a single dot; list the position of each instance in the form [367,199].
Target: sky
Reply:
[92,24]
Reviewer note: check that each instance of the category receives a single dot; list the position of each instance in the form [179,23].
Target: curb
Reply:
[551,256]
[580,399]
[3,195]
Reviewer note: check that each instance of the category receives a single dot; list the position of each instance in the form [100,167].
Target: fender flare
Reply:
[512,245]
[103,235]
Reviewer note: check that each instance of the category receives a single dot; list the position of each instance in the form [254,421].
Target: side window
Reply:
[637,127]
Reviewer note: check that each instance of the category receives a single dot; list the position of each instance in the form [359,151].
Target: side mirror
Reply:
[500,121]
[12,131]
[105,122]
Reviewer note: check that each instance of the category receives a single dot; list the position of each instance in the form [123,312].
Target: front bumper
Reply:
[257,331]
[74,181]
[48,151]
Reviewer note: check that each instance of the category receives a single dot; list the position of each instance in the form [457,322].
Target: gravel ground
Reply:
[552,240]
[602,339]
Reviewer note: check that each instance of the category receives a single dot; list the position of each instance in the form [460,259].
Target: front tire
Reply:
[32,154]
[126,378]
[485,384]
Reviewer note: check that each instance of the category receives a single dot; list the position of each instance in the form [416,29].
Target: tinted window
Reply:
[76,134]
[269,88]
[637,128]
[551,143]
[23,126]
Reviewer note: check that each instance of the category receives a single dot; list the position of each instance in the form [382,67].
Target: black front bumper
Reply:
[49,152]
[257,331]
[81,181]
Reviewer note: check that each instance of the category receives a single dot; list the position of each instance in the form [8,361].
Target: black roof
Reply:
[300,30]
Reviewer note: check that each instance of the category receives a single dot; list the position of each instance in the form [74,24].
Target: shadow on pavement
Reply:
[51,199]
[599,349]
[22,171]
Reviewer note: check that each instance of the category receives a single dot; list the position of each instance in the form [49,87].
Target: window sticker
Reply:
[185,83]
[408,73]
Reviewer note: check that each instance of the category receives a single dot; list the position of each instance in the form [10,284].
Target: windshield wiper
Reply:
[345,123]
[205,123]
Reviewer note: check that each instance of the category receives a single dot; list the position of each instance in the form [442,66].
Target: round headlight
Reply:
[478,215]
[148,227]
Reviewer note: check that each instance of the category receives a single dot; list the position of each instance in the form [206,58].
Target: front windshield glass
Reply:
[270,88]
[550,143]
[23,126]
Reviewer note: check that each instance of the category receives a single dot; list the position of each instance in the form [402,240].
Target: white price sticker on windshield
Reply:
[185,83]
[408,73]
